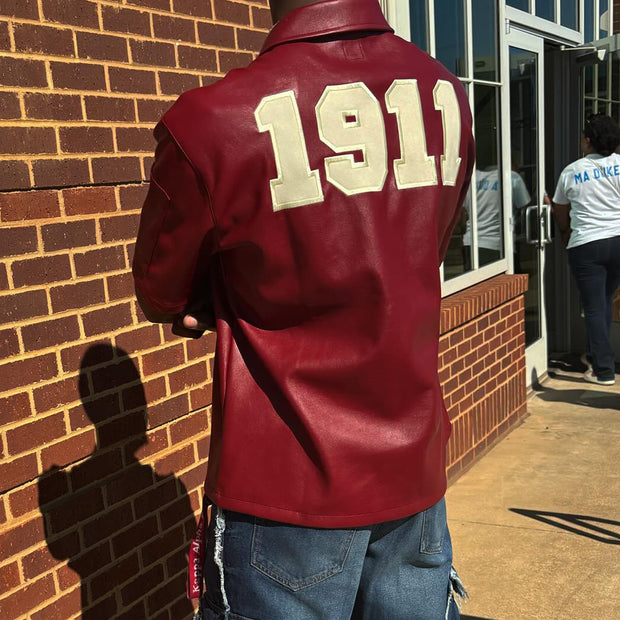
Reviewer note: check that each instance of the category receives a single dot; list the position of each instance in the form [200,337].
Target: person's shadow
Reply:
[123,528]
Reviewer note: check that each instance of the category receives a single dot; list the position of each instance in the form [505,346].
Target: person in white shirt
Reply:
[489,211]
[586,208]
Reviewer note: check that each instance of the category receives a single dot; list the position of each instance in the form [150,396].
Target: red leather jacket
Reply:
[316,190]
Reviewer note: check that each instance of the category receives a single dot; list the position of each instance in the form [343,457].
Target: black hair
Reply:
[603,132]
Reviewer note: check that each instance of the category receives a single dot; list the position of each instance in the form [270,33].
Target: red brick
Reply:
[99,466]
[93,411]
[34,434]
[27,597]
[175,462]
[75,296]
[9,106]
[87,200]
[115,573]
[74,12]
[120,228]
[189,376]
[116,169]
[147,164]
[42,270]
[132,197]
[177,83]
[78,76]
[68,235]
[168,410]
[64,607]
[196,8]
[23,73]
[233,60]
[163,5]
[171,541]
[120,286]
[197,58]
[132,81]
[117,19]
[20,306]
[203,448]
[99,261]
[151,110]
[163,359]
[9,343]
[174,28]
[14,175]
[202,397]
[86,140]
[28,140]
[261,18]
[156,442]
[43,40]
[250,39]
[191,426]
[13,474]
[72,357]
[107,320]
[154,53]
[149,391]
[20,8]
[142,338]
[68,578]
[95,46]
[52,107]
[77,507]
[60,172]
[135,139]
[109,109]
[18,240]
[50,333]
[232,12]
[194,479]
[9,577]
[24,500]
[142,584]
[216,35]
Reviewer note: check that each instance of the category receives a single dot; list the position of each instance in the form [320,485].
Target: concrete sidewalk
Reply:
[536,523]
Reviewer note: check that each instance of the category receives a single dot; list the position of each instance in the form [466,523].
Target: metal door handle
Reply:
[546,213]
[528,225]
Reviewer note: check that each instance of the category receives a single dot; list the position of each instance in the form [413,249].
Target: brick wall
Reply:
[482,366]
[104,417]
[616,16]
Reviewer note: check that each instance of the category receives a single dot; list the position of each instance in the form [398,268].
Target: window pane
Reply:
[484,16]
[458,257]
[588,78]
[615,79]
[604,23]
[569,13]
[450,35]
[602,79]
[588,34]
[546,9]
[524,5]
[589,107]
[487,177]
[615,112]
[417,16]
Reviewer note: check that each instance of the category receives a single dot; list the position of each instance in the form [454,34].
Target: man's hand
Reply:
[194,321]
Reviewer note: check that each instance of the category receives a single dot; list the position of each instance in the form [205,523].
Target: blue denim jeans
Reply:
[596,269]
[263,570]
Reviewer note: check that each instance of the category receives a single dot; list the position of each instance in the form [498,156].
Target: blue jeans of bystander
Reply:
[263,570]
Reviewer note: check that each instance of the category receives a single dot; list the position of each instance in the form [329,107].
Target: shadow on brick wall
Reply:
[123,528]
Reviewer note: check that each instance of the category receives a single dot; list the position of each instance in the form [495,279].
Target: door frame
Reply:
[536,353]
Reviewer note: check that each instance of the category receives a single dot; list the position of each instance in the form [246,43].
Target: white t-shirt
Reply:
[592,187]
[489,205]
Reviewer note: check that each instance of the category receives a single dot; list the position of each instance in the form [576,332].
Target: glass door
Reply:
[531,212]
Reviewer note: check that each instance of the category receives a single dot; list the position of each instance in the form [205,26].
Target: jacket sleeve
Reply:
[176,237]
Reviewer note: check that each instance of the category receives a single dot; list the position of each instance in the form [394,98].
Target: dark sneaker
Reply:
[589,376]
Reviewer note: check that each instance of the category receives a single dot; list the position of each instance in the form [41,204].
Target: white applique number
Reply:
[296,184]
[350,120]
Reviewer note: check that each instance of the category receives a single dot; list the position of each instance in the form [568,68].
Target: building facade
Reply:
[104,418]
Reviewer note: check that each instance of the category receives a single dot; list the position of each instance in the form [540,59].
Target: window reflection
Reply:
[418,19]
[450,35]
[484,17]
[524,5]
[546,9]
[604,18]
[568,13]
[588,20]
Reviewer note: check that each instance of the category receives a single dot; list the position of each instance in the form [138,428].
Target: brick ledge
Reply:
[466,305]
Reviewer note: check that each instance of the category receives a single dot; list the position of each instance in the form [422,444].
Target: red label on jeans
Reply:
[196,561]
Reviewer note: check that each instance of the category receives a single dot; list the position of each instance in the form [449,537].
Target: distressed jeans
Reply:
[596,269]
[264,570]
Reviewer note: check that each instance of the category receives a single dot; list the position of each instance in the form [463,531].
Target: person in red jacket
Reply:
[311,196]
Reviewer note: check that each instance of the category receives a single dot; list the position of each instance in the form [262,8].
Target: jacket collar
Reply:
[325,18]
